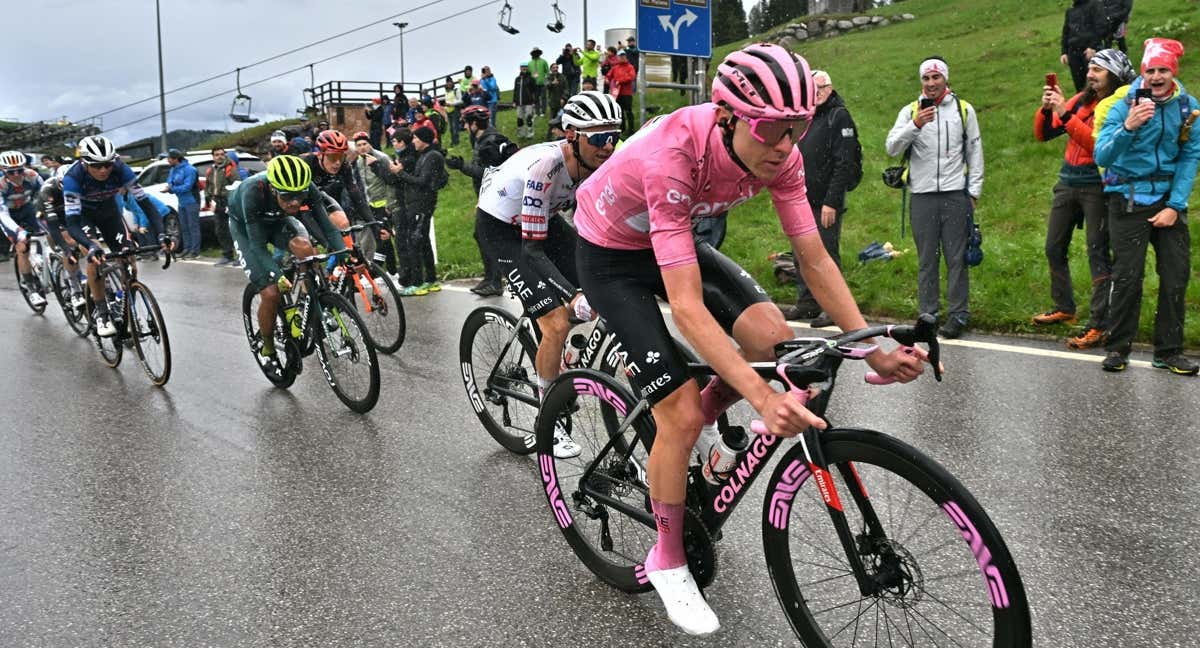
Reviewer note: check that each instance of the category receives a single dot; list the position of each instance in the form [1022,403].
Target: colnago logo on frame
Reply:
[991,574]
[746,469]
[561,513]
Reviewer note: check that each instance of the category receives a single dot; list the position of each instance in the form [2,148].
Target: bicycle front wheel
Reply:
[498,371]
[27,291]
[601,498]
[379,306]
[347,355]
[941,574]
[149,331]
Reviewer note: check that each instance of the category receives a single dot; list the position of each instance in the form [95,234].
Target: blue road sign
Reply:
[680,27]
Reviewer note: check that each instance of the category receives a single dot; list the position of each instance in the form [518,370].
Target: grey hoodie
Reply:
[936,163]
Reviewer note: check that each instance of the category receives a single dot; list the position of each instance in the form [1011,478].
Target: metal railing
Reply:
[364,92]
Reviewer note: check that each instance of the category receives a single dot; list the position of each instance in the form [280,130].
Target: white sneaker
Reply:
[564,446]
[77,301]
[36,299]
[105,327]
[686,608]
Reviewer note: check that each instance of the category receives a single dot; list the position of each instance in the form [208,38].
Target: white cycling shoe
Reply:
[105,327]
[36,300]
[77,301]
[686,608]
[564,446]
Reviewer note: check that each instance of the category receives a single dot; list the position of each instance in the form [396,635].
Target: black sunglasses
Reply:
[14,171]
[100,165]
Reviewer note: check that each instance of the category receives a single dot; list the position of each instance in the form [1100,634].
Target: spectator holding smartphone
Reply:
[1150,156]
[939,136]
[1079,195]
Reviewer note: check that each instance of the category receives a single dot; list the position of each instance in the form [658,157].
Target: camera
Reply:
[926,102]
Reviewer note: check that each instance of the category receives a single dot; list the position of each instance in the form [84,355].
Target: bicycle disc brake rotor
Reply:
[898,577]
[701,552]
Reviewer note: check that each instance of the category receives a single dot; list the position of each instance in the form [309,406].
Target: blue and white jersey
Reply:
[80,189]
[17,194]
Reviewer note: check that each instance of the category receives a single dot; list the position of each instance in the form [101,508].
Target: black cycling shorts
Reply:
[624,287]
[109,220]
[502,243]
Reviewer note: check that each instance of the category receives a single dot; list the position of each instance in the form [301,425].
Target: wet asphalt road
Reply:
[222,512]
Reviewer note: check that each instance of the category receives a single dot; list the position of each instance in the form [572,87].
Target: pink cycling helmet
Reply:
[763,80]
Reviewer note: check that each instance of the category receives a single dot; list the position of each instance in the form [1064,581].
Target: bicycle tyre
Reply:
[283,341]
[487,327]
[140,298]
[355,342]
[111,348]
[577,394]
[38,310]
[385,321]
[979,551]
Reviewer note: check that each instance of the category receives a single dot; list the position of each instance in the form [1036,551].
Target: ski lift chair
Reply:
[557,25]
[239,110]
[506,19]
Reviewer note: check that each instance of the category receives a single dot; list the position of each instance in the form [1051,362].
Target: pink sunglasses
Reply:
[771,131]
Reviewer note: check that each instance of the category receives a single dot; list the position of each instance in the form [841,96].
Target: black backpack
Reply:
[856,171]
[495,148]
[441,177]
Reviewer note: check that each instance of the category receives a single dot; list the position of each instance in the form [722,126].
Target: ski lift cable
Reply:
[266,60]
[357,48]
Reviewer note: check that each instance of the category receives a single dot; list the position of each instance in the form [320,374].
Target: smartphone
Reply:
[926,102]
[1142,93]
[1052,80]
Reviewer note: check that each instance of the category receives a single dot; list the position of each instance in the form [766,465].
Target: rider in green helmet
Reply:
[263,210]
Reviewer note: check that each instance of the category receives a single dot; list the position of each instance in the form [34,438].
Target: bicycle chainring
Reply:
[701,552]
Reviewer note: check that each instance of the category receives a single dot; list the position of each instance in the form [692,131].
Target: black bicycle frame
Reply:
[601,342]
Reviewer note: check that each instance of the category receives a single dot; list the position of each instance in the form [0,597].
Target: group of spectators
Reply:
[1127,173]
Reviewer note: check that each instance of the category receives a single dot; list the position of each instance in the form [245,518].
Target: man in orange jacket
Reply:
[621,77]
[1079,195]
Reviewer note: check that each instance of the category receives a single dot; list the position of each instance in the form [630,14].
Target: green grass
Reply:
[249,138]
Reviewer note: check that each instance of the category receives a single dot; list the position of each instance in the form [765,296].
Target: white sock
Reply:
[542,384]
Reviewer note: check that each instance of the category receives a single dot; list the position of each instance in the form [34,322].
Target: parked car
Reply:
[153,179]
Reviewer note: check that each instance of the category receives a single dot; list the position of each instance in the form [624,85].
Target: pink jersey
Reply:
[671,171]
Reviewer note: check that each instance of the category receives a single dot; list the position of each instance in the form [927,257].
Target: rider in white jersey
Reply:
[517,224]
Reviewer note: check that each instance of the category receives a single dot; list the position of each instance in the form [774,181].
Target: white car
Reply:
[153,178]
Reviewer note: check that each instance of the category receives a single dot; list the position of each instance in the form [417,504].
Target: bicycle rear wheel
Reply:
[944,575]
[605,514]
[385,318]
[286,349]
[499,374]
[26,291]
[149,333]
[346,353]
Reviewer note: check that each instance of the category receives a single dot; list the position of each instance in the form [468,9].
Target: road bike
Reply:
[314,317]
[371,290]
[39,269]
[135,314]
[904,554]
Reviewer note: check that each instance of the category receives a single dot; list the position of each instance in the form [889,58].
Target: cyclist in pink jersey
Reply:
[634,218]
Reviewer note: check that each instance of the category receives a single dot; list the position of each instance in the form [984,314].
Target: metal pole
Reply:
[162,96]
[585,32]
[401,56]
[641,84]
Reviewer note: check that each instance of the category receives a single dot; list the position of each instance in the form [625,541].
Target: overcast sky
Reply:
[85,57]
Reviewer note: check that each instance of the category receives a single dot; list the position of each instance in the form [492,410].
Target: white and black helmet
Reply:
[96,149]
[591,108]
[12,159]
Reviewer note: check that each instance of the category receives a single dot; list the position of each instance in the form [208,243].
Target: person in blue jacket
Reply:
[183,182]
[1150,156]
[492,90]
[142,226]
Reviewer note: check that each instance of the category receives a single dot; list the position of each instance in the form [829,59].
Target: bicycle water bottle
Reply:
[724,453]
[291,315]
[573,351]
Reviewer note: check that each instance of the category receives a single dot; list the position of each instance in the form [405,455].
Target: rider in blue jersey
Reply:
[89,187]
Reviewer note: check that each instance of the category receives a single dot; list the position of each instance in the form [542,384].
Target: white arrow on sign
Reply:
[686,19]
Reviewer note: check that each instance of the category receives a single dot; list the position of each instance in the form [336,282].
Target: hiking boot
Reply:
[1054,317]
[953,328]
[1089,339]
[821,321]
[1177,364]
[800,313]
[1115,361]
